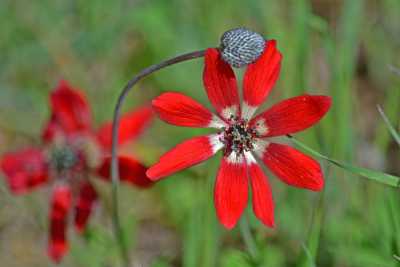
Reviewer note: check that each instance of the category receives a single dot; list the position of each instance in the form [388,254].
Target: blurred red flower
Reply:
[241,136]
[71,153]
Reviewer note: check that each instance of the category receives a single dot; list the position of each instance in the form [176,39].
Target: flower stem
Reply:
[115,127]
[248,238]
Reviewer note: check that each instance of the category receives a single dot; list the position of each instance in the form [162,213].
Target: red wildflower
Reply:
[73,152]
[242,137]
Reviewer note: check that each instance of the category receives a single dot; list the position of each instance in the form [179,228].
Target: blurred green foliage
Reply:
[339,48]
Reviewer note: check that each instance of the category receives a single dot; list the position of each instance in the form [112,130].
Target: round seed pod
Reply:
[240,47]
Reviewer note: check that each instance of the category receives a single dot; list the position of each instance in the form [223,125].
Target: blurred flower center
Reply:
[74,155]
[63,158]
[238,137]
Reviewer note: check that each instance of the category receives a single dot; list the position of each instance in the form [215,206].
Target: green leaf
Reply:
[309,256]
[380,177]
[235,258]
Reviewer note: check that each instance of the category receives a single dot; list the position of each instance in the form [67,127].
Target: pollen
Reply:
[238,137]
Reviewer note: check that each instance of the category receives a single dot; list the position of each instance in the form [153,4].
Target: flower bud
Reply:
[240,47]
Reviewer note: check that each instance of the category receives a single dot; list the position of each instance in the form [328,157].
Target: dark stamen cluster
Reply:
[238,137]
[63,158]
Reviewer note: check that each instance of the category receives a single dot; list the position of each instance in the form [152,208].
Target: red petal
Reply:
[293,167]
[230,192]
[51,129]
[70,109]
[132,124]
[261,75]
[60,206]
[220,84]
[263,203]
[292,115]
[130,170]
[24,169]
[181,110]
[87,197]
[184,155]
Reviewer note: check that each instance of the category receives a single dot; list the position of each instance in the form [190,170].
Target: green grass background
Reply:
[345,49]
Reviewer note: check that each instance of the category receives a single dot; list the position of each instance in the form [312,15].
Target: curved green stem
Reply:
[115,127]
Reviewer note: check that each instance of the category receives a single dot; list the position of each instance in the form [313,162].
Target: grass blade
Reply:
[380,177]
[393,132]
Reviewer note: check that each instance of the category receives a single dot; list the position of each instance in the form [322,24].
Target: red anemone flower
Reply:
[242,137]
[73,152]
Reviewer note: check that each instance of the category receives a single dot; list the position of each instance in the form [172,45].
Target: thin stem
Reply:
[393,132]
[248,238]
[115,127]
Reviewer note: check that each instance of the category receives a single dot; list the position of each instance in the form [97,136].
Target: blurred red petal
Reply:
[178,109]
[260,76]
[263,203]
[230,192]
[291,115]
[185,155]
[51,129]
[220,84]
[293,167]
[60,206]
[86,199]
[130,170]
[24,170]
[132,124]
[70,108]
